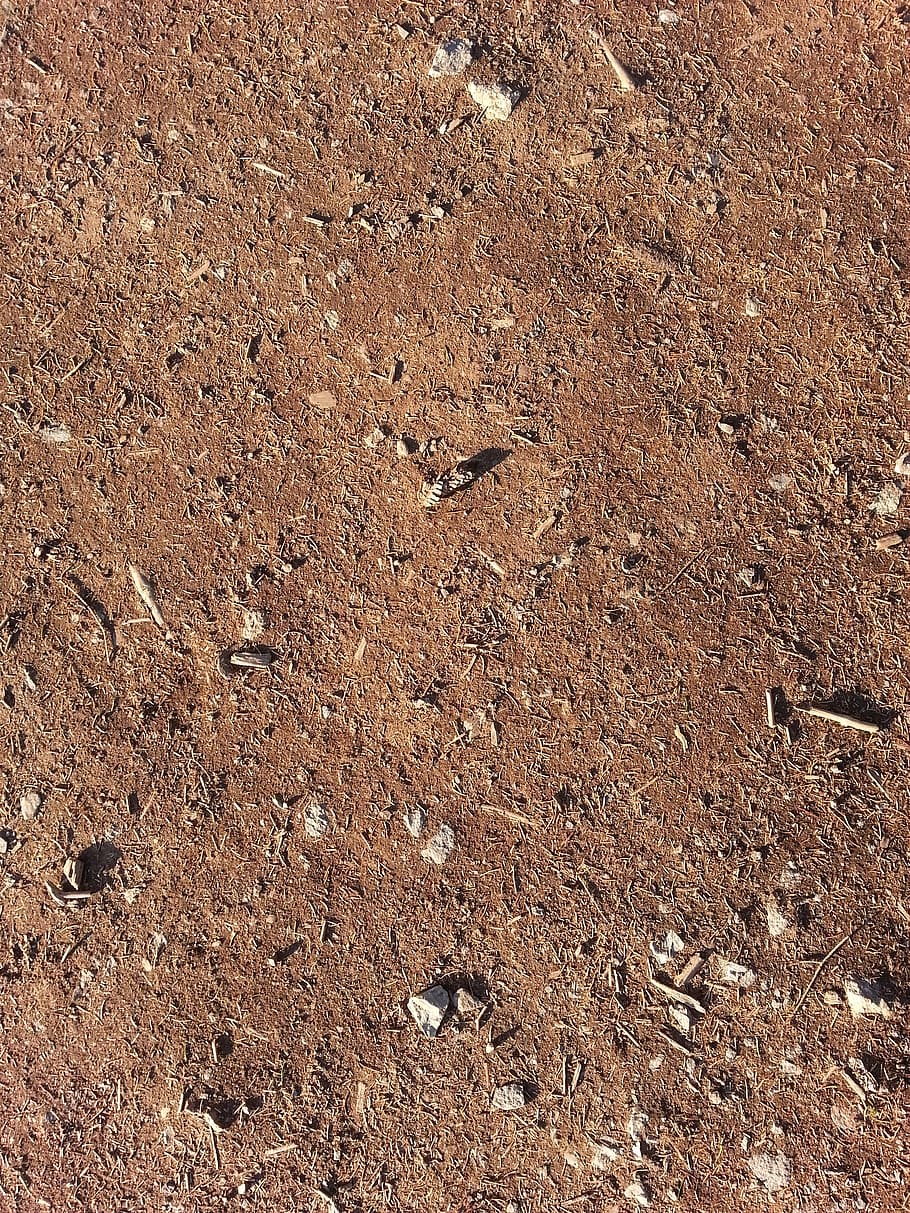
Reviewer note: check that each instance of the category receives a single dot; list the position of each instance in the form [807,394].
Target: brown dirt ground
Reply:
[734,250]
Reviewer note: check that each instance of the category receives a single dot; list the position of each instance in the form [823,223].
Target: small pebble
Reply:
[638,1194]
[780,483]
[440,846]
[663,950]
[771,1170]
[509,1097]
[667,17]
[452,58]
[254,624]
[865,998]
[415,820]
[902,467]
[736,974]
[428,1009]
[466,1005]
[496,100]
[55,435]
[680,1018]
[887,501]
[316,821]
[777,920]
[29,804]
[603,1155]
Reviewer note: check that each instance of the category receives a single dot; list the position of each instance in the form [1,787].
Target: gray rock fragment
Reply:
[452,58]
[428,1009]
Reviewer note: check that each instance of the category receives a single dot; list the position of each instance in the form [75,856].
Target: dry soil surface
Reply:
[261,279]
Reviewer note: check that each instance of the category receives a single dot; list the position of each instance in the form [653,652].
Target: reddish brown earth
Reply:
[583,703]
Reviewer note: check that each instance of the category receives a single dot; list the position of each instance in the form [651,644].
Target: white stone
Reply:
[865,998]
[29,804]
[680,1018]
[496,100]
[254,623]
[638,1194]
[452,58]
[509,1097]
[736,974]
[663,950]
[637,1124]
[466,1005]
[603,1155]
[780,483]
[666,16]
[771,1170]
[428,1009]
[887,501]
[439,848]
[316,821]
[55,434]
[777,920]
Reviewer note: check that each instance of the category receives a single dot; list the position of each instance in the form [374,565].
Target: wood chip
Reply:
[625,81]
[73,872]
[545,525]
[884,542]
[64,897]
[691,968]
[841,718]
[678,996]
[147,596]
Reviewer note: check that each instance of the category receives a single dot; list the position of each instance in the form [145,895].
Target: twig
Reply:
[214,1145]
[626,83]
[678,996]
[509,813]
[147,596]
[815,976]
[848,722]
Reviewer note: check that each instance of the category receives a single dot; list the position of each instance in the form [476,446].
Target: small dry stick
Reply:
[509,814]
[848,722]
[769,705]
[815,976]
[850,1081]
[691,969]
[678,996]
[626,83]
[147,595]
